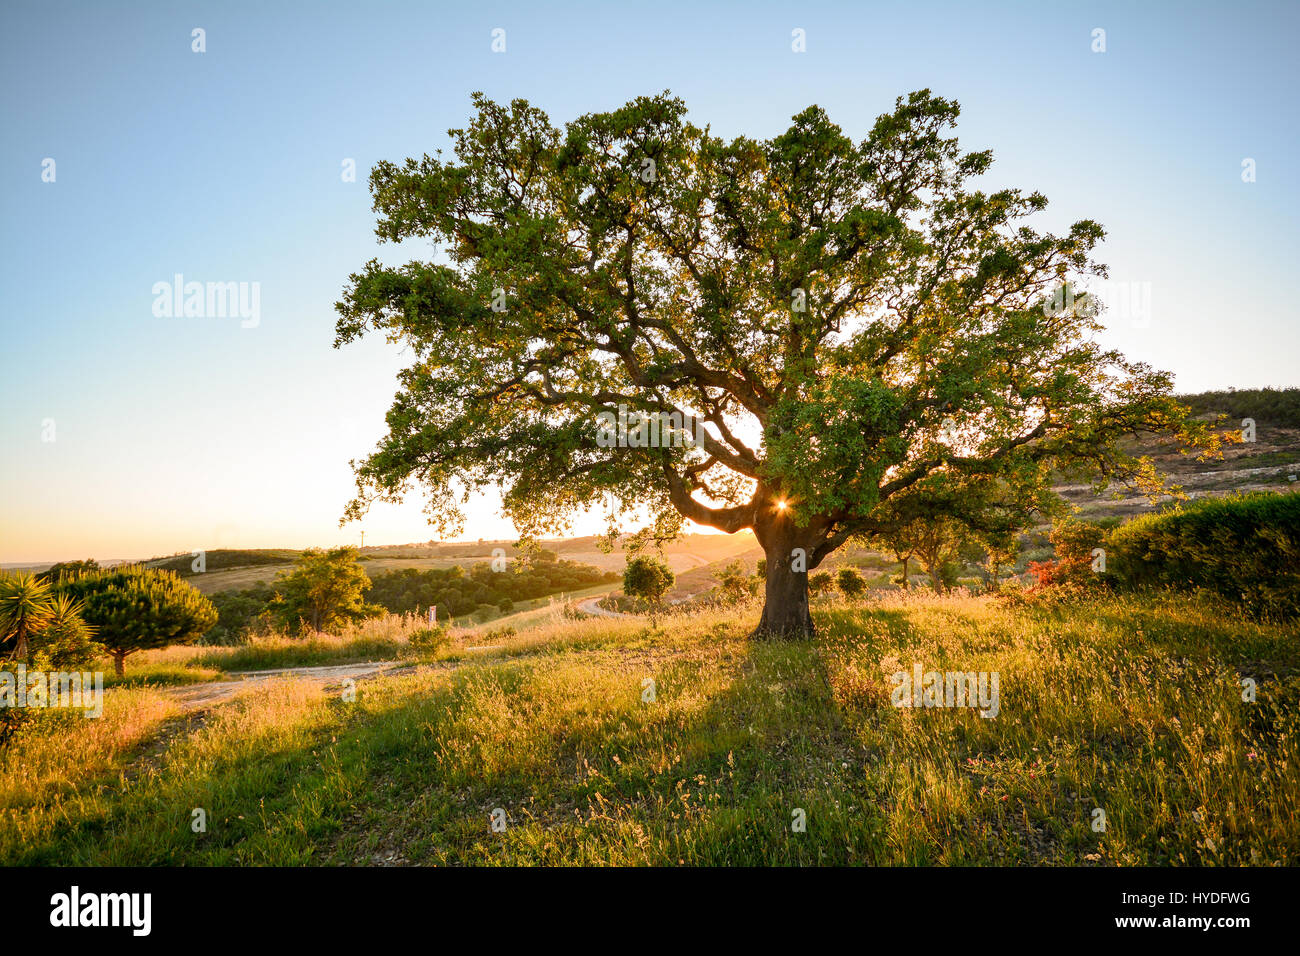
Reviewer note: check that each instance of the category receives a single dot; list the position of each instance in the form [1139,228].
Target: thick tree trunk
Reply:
[904,578]
[785,597]
[119,663]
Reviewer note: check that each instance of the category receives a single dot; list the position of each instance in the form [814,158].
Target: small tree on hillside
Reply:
[947,520]
[324,592]
[647,578]
[821,582]
[897,541]
[998,554]
[939,543]
[850,582]
[733,581]
[134,608]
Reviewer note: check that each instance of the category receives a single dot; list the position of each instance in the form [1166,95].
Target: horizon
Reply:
[110,561]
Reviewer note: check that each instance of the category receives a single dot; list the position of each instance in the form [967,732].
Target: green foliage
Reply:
[733,581]
[821,583]
[876,318]
[1073,566]
[1246,547]
[66,642]
[72,568]
[41,627]
[134,608]
[25,607]
[455,591]
[430,638]
[1073,542]
[238,611]
[850,582]
[324,592]
[647,578]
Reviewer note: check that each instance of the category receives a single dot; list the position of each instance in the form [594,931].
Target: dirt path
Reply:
[196,696]
[590,606]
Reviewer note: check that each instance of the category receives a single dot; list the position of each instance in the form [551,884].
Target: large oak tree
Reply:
[843,326]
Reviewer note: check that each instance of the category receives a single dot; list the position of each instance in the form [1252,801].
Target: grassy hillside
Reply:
[1130,706]
[1270,462]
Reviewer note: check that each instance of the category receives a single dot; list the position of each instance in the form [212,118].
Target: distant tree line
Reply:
[223,558]
[328,589]
[457,591]
[1268,406]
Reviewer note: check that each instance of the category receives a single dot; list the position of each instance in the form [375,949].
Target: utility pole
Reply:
[363,541]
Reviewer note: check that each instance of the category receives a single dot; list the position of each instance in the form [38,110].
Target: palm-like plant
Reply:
[66,640]
[26,606]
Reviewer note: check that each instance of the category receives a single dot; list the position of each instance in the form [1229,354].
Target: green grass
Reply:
[1132,705]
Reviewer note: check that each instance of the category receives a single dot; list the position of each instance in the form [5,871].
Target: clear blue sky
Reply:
[174,434]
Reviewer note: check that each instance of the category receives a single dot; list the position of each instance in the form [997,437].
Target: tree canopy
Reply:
[648,578]
[326,590]
[135,608]
[825,328]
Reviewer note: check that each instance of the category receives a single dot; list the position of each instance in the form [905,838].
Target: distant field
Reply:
[240,578]
[692,552]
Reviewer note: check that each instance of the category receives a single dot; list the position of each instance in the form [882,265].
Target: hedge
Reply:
[1245,547]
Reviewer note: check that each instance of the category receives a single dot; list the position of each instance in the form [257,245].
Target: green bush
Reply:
[1245,547]
[1270,407]
[430,638]
[821,583]
[135,608]
[850,582]
[1075,565]
[647,578]
[238,612]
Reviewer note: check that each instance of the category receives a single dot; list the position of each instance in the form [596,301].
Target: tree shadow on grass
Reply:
[742,744]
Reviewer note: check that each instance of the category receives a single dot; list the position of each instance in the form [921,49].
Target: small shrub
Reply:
[647,578]
[850,582]
[430,638]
